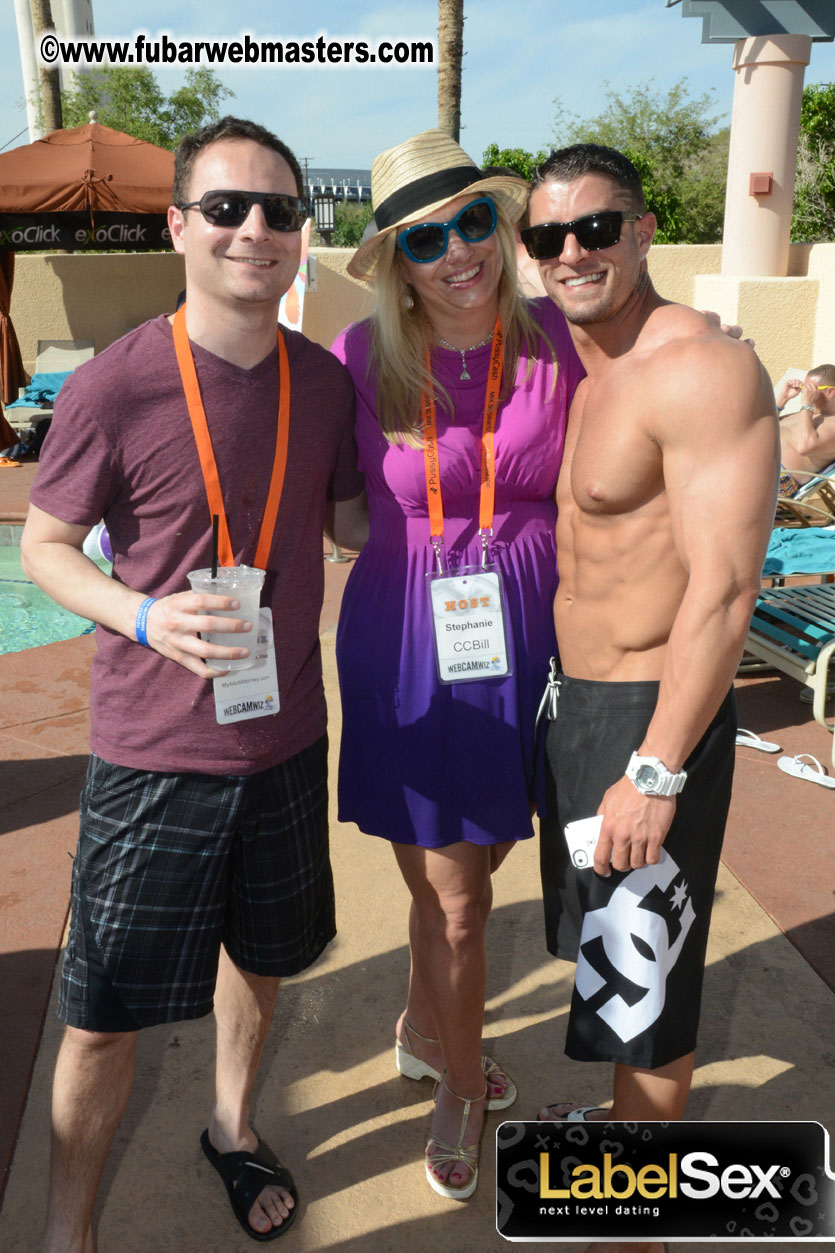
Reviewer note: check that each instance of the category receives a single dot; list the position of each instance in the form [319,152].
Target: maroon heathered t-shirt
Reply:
[121,447]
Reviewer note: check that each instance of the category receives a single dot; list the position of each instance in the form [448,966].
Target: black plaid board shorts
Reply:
[168,866]
[639,937]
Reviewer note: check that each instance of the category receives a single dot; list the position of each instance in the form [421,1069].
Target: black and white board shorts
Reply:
[639,937]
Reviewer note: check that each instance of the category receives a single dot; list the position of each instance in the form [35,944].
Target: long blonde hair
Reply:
[400,331]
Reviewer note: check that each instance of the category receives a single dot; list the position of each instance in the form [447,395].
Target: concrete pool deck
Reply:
[328,1097]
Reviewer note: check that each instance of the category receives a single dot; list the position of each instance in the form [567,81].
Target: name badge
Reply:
[253,693]
[469,625]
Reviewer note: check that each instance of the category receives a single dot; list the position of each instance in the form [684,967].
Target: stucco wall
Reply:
[672,268]
[62,296]
[339,299]
[59,296]
[818,262]
[70,296]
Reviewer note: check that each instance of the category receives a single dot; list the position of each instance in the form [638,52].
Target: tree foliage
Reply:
[517,159]
[671,138]
[814,192]
[131,100]
[350,220]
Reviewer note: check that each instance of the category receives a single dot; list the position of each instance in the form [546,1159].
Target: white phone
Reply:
[581,837]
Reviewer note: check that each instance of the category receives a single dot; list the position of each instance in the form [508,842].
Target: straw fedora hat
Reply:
[410,181]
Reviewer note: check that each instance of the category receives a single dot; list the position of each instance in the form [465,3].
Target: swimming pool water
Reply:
[28,617]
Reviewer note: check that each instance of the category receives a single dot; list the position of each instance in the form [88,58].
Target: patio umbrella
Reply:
[12,375]
[86,188]
[89,188]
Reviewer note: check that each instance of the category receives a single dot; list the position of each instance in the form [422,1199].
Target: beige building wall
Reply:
[101,297]
[817,262]
[672,268]
[339,299]
[777,313]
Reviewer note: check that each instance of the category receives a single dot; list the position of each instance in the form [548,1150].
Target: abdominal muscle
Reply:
[621,584]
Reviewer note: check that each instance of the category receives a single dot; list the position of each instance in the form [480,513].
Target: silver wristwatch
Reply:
[652,778]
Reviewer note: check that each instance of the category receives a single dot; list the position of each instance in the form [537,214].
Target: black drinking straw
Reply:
[214,545]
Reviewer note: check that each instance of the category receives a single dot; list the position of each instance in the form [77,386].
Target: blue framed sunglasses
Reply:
[430,240]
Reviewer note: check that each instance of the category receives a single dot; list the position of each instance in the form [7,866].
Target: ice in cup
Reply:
[244,583]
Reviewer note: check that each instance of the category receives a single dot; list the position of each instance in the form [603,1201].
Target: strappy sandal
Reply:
[444,1153]
[412,1067]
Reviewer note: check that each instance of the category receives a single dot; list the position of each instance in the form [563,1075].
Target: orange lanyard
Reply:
[200,426]
[488,462]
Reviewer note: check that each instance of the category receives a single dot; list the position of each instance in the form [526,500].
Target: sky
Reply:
[521,55]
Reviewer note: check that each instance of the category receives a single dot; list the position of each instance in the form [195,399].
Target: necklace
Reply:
[465,374]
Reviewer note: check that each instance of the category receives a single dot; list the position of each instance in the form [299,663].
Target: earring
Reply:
[408,301]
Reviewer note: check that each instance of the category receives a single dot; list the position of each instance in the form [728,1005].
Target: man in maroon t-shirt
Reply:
[202,874]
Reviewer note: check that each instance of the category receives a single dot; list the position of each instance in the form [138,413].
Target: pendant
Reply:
[465,374]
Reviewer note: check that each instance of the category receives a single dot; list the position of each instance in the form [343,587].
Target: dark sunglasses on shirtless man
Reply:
[593,232]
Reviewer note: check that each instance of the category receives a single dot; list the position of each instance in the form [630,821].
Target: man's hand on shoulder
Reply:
[732,329]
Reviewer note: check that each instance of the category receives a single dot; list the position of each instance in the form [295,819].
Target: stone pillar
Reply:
[764,130]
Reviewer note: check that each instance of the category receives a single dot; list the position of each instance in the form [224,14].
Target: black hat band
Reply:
[407,201]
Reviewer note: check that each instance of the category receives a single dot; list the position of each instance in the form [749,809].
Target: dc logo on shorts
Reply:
[629,947]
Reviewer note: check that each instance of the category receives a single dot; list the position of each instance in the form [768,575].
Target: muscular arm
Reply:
[51,554]
[813,435]
[715,424]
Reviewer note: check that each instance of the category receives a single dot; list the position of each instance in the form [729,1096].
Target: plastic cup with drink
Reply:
[244,583]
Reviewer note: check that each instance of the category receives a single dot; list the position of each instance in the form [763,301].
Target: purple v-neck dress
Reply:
[424,762]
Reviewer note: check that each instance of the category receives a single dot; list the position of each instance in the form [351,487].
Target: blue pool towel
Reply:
[42,390]
[801,550]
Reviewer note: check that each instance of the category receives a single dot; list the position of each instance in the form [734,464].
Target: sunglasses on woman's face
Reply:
[593,232]
[231,208]
[430,240]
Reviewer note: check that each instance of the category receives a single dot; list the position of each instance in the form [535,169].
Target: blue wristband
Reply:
[142,621]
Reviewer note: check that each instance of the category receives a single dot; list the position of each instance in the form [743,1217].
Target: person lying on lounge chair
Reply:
[807,436]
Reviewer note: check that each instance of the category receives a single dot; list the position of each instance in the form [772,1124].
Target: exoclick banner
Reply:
[723,1181]
[75,232]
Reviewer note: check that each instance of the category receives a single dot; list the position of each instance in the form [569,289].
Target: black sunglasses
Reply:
[430,240]
[231,208]
[596,231]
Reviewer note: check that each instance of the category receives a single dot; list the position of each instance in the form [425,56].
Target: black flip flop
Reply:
[245,1176]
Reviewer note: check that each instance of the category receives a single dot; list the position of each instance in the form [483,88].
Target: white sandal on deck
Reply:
[412,1067]
[749,739]
[805,766]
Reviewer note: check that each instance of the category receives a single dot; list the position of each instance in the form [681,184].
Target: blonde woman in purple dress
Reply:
[437,755]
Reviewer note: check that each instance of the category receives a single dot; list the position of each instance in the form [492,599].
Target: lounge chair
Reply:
[812,505]
[55,357]
[793,629]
